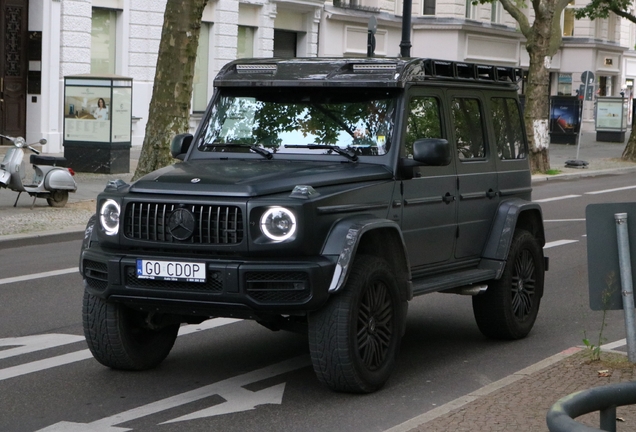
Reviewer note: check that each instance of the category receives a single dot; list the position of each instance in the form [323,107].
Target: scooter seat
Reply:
[48,160]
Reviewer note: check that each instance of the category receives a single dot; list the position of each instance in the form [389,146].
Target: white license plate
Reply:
[180,271]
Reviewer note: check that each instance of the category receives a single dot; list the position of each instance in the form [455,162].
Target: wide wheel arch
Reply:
[361,235]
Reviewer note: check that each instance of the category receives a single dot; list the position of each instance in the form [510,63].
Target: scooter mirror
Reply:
[42,141]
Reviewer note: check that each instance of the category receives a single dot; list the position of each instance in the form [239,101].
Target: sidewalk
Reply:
[519,402]
[16,222]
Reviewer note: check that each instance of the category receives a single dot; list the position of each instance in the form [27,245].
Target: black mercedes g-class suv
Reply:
[321,195]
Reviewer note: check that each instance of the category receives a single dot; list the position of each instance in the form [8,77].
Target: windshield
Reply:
[291,120]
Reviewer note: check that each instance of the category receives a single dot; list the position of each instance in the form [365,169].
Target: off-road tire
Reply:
[58,198]
[509,307]
[355,338]
[118,338]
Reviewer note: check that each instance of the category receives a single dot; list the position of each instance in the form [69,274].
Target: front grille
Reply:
[96,274]
[213,283]
[277,286]
[213,224]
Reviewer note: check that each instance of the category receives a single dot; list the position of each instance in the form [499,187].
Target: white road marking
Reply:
[39,275]
[27,344]
[612,345]
[610,190]
[55,340]
[564,220]
[39,365]
[230,389]
[558,243]
[556,198]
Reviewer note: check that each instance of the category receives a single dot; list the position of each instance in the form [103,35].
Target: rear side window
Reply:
[469,128]
[423,121]
[506,119]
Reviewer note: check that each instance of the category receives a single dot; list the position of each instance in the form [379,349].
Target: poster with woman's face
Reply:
[87,114]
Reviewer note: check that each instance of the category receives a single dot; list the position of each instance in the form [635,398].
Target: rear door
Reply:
[477,183]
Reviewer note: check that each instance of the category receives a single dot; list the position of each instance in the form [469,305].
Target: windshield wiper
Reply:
[256,149]
[349,155]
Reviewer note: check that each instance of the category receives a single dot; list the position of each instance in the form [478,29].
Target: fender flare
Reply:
[90,235]
[345,237]
[506,221]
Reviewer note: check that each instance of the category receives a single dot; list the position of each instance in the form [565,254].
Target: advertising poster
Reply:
[87,114]
[610,114]
[564,115]
[122,114]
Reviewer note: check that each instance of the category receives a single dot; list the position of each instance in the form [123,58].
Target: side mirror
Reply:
[432,151]
[179,145]
[426,151]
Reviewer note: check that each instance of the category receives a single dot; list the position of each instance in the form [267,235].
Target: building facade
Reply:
[44,41]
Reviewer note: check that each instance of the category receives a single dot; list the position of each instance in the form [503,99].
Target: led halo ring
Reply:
[267,220]
[109,217]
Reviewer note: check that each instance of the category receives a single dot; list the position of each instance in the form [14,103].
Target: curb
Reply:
[483,391]
[583,173]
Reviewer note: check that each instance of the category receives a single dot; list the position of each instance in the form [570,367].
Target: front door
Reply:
[429,206]
[13,66]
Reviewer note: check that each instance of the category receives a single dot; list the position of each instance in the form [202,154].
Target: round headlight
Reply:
[109,217]
[278,223]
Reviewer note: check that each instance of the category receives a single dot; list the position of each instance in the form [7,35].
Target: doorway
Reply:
[13,66]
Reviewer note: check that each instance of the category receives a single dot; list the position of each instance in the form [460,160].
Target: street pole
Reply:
[578,138]
[626,283]
[405,44]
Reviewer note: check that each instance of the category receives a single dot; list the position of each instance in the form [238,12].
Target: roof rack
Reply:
[471,71]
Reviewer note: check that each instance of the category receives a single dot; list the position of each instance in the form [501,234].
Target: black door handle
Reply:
[448,198]
[491,193]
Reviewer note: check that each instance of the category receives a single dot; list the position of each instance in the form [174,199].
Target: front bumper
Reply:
[242,288]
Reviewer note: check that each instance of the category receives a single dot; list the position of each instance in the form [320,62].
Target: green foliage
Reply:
[602,8]
[606,296]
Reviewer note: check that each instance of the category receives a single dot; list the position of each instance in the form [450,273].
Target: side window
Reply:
[423,121]
[469,129]
[508,131]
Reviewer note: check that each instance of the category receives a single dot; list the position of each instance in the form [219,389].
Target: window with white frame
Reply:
[428,7]
[496,12]
[568,22]
[471,10]
[245,42]
[200,81]
[103,40]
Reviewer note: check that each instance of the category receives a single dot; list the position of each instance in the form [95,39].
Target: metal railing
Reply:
[604,399]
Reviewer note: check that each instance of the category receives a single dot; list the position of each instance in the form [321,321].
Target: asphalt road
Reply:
[236,375]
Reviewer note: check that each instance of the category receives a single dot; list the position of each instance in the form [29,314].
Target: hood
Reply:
[253,177]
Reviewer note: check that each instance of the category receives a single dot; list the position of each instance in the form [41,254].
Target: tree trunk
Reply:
[629,154]
[169,112]
[537,108]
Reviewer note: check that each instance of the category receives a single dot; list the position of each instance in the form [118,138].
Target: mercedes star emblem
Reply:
[181,224]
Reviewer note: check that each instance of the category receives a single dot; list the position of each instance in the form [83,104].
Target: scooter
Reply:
[52,180]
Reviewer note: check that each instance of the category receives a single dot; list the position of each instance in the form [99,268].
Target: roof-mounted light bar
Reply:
[374,67]
[256,68]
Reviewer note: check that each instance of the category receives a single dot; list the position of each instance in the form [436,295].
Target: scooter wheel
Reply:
[58,198]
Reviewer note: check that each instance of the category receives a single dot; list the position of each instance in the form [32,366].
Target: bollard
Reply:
[626,283]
